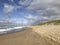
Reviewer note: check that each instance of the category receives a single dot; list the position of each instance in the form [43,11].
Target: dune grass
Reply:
[55,22]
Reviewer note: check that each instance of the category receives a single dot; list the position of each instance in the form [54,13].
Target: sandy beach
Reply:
[33,35]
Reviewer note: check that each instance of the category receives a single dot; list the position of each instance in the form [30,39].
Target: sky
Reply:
[29,11]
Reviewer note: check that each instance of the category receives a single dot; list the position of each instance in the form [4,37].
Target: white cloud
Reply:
[25,2]
[36,4]
[31,17]
[45,17]
[8,8]
[56,17]
[12,0]
[45,8]
[21,21]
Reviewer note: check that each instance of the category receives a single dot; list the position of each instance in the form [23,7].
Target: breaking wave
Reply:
[9,30]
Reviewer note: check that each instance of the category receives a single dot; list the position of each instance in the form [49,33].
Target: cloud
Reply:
[31,17]
[56,17]
[21,21]
[8,8]
[37,4]
[45,8]
[45,17]
[12,0]
[25,2]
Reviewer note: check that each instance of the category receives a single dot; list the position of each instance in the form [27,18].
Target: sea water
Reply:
[9,30]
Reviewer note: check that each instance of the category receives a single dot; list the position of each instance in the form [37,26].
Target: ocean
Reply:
[10,30]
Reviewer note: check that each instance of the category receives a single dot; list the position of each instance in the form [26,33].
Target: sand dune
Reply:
[33,35]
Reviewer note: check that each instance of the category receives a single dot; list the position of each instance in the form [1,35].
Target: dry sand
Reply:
[34,35]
